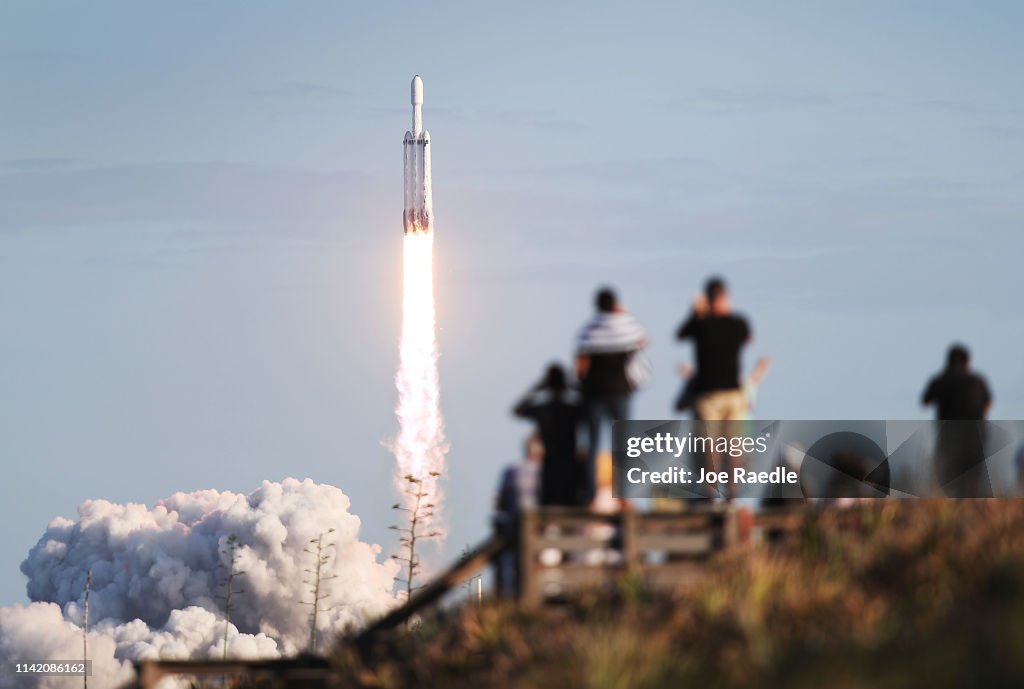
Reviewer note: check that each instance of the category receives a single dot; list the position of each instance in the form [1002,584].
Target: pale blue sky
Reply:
[200,234]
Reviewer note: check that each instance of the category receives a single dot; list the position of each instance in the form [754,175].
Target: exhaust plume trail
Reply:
[420,446]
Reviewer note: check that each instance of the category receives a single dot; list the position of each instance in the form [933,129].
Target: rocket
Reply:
[419,204]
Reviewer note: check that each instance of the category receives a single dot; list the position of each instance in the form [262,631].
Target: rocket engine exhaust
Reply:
[420,446]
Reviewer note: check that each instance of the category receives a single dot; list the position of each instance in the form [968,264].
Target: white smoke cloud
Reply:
[158,574]
[40,632]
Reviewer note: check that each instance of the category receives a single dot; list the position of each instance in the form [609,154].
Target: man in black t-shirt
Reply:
[962,399]
[719,336]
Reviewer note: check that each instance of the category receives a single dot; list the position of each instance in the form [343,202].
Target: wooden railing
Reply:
[294,673]
[564,551]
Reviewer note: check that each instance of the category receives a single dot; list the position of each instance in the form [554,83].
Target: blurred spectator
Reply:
[519,489]
[719,336]
[688,394]
[518,492]
[610,365]
[718,398]
[557,411]
[958,393]
[962,399]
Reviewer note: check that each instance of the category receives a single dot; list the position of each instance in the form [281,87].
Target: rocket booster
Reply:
[419,204]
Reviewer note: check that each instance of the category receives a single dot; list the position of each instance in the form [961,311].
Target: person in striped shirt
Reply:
[608,350]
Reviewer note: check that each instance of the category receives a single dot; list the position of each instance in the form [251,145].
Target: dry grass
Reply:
[922,595]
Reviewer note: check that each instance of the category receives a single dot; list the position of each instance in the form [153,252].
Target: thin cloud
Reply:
[236,194]
[608,171]
[34,164]
[531,118]
[446,114]
[523,118]
[720,101]
[1004,133]
[302,90]
[965,106]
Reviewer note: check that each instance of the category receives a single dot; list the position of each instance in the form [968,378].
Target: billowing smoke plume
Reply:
[40,632]
[158,577]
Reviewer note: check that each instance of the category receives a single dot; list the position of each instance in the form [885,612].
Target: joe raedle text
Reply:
[680,476]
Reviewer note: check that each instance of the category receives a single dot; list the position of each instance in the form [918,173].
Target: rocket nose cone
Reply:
[417,90]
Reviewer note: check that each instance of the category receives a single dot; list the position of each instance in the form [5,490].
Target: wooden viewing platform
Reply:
[565,551]
[561,552]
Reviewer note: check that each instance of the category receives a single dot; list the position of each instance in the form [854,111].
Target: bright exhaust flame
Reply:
[420,446]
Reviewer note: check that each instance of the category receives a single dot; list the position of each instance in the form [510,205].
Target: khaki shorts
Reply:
[722,405]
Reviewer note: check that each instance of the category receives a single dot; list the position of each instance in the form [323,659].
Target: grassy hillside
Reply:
[924,595]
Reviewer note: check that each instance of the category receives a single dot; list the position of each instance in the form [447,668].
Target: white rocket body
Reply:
[419,204]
